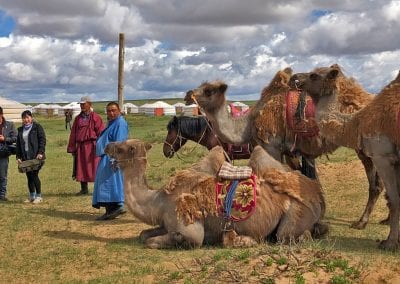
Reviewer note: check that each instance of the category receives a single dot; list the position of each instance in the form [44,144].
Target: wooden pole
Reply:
[121,57]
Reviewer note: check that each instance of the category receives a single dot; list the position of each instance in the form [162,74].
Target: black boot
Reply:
[84,189]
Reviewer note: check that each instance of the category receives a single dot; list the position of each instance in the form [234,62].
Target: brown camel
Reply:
[266,125]
[289,205]
[375,130]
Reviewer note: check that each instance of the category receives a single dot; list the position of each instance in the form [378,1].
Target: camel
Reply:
[289,205]
[375,130]
[266,125]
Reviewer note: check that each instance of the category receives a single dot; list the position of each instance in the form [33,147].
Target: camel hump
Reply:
[260,161]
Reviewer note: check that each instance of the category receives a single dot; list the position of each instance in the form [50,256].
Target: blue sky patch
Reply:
[7,24]
[316,14]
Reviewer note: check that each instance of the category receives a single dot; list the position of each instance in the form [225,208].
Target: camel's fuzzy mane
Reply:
[189,126]
[269,112]
[290,183]
[377,118]
[352,96]
[278,84]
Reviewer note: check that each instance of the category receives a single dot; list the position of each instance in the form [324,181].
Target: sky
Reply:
[56,51]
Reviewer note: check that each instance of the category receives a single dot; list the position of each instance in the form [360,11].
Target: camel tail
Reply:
[319,230]
[308,168]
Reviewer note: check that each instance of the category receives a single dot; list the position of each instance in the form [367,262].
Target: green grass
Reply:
[58,241]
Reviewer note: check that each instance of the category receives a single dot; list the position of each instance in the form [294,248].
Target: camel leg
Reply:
[374,190]
[188,236]
[292,226]
[385,158]
[159,242]
[153,232]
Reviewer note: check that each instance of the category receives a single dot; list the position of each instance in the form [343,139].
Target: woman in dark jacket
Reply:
[31,143]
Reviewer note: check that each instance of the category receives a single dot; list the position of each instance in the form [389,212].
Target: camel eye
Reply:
[208,93]
[314,76]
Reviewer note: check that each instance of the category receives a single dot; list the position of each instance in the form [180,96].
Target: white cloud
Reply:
[61,49]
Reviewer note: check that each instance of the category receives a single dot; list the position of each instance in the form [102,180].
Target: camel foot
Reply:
[389,245]
[319,230]
[232,239]
[305,237]
[359,225]
[149,233]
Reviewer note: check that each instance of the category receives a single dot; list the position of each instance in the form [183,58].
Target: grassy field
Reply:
[59,241]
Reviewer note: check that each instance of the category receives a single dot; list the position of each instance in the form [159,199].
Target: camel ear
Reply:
[314,76]
[147,146]
[335,66]
[222,88]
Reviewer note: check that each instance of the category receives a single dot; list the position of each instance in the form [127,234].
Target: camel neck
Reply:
[141,200]
[335,126]
[230,130]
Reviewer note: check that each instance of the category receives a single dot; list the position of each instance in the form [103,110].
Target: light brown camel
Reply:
[266,125]
[289,205]
[375,130]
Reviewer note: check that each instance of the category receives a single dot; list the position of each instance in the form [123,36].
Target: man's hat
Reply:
[85,99]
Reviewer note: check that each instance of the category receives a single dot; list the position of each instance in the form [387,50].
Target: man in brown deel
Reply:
[86,128]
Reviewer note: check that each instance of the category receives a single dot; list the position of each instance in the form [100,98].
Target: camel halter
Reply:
[115,163]
[180,136]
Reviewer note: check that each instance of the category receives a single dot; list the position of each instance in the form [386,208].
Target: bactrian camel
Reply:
[375,130]
[289,205]
[266,125]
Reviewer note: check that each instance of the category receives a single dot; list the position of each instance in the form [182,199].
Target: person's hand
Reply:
[19,161]
[1,138]
[39,156]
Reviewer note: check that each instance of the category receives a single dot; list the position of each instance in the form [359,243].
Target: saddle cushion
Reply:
[230,172]
[306,127]
[243,201]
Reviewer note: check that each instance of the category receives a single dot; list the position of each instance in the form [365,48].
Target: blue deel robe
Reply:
[109,183]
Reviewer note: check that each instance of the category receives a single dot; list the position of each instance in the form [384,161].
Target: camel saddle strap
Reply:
[238,149]
[236,199]
[303,127]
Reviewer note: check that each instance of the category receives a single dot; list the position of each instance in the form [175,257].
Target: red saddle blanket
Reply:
[306,127]
[242,200]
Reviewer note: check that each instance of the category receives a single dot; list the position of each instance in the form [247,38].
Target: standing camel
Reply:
[289,205]
[266,125]
[375,130]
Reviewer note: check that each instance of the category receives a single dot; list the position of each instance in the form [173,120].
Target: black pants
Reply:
[34,183]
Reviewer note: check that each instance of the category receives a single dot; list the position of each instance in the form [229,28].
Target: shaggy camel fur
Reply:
[265,125]
[289,205]
[374,130]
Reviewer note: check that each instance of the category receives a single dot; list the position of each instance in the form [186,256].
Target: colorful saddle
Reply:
[304,126]
[236,192]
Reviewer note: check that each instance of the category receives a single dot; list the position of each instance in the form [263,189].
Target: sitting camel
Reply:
[266,125]
[375,130]
[289,205]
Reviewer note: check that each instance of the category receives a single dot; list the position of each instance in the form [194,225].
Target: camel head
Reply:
[317,83]
[130,151]
[210,95]
[188,98]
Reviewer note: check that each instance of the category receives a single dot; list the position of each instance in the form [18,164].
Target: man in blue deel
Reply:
[109,182]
